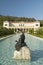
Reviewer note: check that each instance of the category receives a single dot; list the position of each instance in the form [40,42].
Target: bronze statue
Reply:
[20,43]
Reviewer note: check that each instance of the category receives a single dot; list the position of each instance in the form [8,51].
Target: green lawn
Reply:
[41,36]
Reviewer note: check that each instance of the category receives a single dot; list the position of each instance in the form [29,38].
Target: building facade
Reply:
[22,25]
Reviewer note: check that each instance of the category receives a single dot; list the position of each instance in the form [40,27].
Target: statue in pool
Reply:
[20,43]
[22,51]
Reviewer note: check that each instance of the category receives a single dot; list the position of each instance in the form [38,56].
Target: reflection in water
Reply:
[0,64]
[22,62]
[36,55]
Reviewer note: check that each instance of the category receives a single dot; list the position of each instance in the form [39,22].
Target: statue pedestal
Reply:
[24,53]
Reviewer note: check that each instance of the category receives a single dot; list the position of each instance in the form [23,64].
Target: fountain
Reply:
[22,50]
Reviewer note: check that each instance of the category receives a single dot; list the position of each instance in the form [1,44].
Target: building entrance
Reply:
[21,30]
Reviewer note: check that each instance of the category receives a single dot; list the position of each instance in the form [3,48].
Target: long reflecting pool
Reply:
[7,48]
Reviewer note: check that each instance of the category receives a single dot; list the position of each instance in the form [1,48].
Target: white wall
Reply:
[38,23]
[18,24]
[6,24]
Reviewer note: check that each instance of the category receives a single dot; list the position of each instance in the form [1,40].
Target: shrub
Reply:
[39,31]
[5,31]
[31,30]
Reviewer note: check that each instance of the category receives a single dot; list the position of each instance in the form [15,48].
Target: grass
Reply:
[41,36]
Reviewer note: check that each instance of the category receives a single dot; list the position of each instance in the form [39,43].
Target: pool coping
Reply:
[6,37]
[36,37]
[13,34]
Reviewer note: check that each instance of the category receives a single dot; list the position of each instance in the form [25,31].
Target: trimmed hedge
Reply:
[39,31]
[5,31]
[31,30]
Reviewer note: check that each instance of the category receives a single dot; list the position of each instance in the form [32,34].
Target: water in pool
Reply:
[7,48]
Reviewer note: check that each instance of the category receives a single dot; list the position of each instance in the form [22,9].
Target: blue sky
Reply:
[22,8]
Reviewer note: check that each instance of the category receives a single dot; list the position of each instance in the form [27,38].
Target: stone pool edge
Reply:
[6,37]
[36,37]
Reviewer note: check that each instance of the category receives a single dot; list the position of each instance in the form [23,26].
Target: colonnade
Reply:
[21,29]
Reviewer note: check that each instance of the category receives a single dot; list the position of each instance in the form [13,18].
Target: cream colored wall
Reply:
[26,25]
[6,22]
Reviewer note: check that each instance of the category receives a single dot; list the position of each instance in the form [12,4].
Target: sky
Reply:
[22,8]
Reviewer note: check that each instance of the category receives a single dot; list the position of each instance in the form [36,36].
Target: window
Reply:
[19,24]
[36,24]
[23,24]
[5,24]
